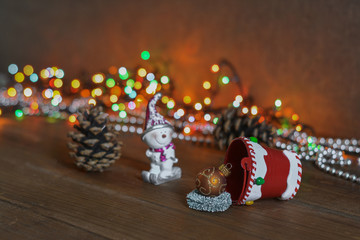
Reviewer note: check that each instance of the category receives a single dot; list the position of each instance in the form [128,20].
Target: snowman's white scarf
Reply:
[162,150]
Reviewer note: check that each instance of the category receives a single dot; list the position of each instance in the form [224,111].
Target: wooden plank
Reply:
[37,175]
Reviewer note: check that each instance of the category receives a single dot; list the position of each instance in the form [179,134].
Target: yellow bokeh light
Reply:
[44,74]
[55,93]
[72,118]
[58,83]
[11,92]
[92,102]
[98,78]
[34,105]
[142,72]
[96,92]
[27,92]
[19,77]
[206,85]
[295,117]
[215,68]
[198,106]
[113,98]
[165,99]
[75,83]
[254,110]
[0,111]
[298,128]
[187,99]
[137,85]
[207,101]
[28,70]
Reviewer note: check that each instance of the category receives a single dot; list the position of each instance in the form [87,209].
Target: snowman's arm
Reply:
[149,153]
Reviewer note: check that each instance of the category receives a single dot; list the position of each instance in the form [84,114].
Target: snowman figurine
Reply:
[158,136]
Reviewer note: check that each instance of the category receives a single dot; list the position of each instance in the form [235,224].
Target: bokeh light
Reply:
[145,55]
[13,68]
[19,113]
[254,110]
[110,83]
[170,104]
[150,76]
[207,117]
[122,114]
[164,79]
[245,110]
[113,98]
[75,83]
[215,68]
[34,77]
[278,103]
[198,106]
[28,70]
[142,72]
[58,83]
[19,77]
[28,92]
[187,99]
[11,92]
[207,101]
[98,78]
[225,80]
[206,85]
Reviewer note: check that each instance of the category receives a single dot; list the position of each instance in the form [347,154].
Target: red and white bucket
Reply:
[253,163]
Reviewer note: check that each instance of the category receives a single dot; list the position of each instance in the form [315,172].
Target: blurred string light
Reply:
[13,69]
[34,77]
[75,83]
[28,70]
[164,80]
[278,103]
[145,55]
[139,85]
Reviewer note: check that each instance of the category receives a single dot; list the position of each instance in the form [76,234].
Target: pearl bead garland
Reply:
[327,153]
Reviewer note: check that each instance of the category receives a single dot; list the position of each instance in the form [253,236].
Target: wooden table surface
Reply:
[44,196]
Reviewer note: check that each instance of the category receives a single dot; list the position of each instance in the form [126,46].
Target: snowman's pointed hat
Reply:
[154,120]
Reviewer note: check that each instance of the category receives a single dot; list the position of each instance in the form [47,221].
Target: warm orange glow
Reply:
[85,93]
[215,68]
[115,91]
[113,70]
[34,105]
[261,119]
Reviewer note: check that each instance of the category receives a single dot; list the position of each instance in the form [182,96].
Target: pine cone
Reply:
[233,123]
[94,146]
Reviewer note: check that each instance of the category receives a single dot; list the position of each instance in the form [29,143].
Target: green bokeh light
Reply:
[145,55]
[110,83]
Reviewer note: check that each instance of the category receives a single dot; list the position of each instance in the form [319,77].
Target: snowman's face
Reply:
[158,138]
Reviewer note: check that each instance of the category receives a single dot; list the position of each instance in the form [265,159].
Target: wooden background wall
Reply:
[305,52]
